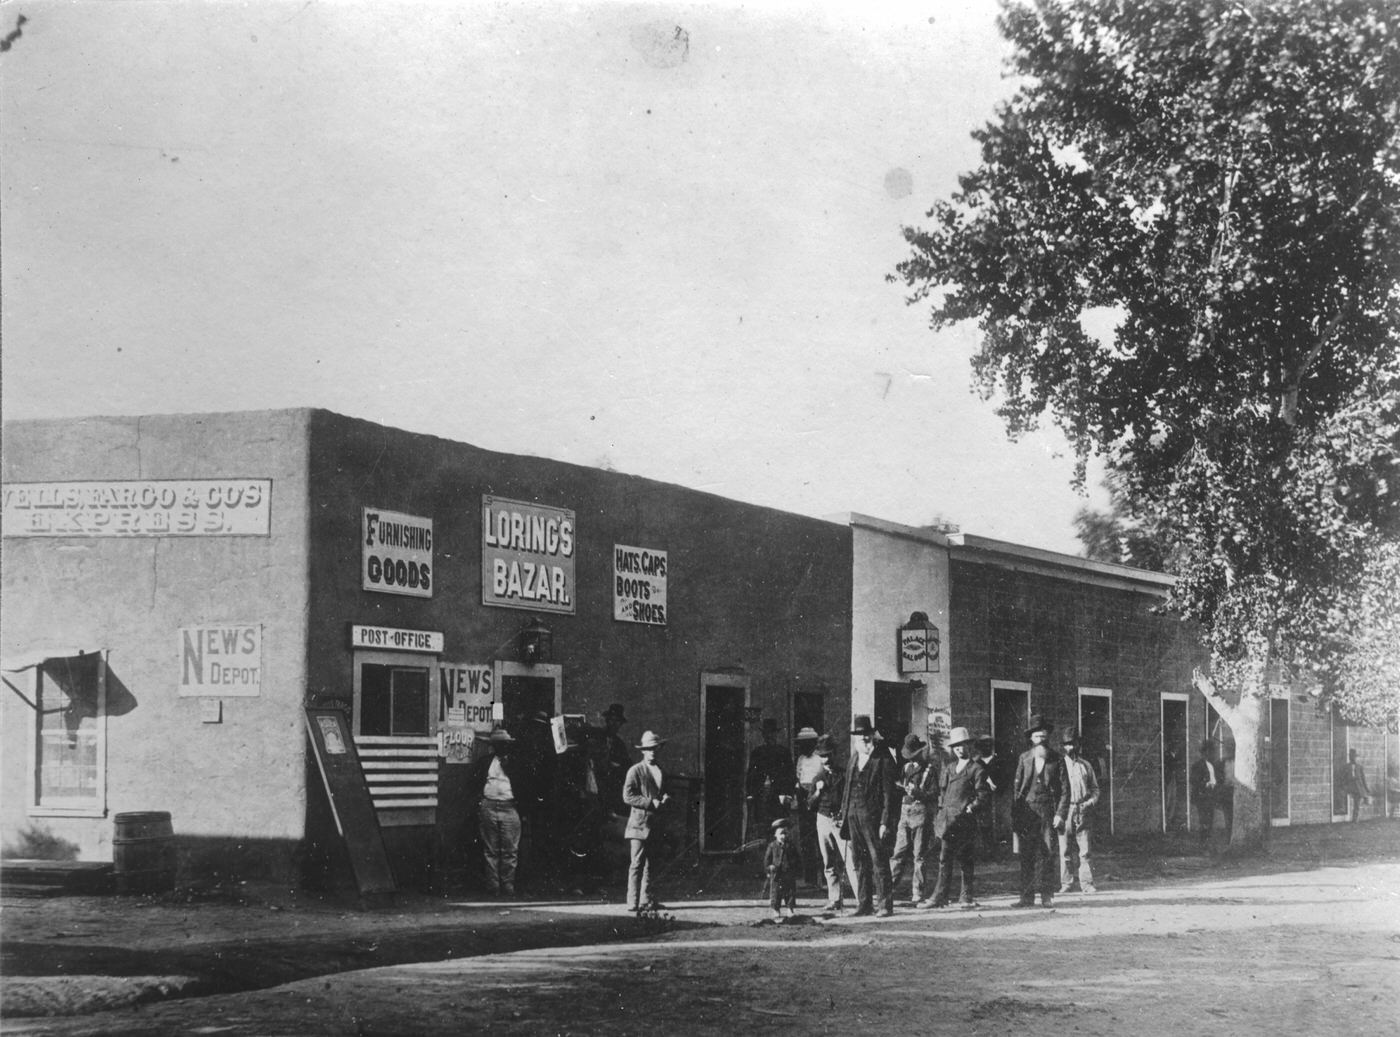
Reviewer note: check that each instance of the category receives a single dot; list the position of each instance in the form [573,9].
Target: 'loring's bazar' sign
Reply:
[527,556]
[396,553]
[639,585]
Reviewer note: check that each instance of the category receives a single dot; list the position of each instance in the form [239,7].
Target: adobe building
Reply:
[187,597]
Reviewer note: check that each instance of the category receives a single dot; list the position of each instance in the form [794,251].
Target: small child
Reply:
[783,863]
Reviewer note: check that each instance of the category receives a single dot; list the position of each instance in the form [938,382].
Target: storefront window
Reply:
[68,738]
[393,700]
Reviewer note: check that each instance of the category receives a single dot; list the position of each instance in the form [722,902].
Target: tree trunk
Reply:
[1248,719]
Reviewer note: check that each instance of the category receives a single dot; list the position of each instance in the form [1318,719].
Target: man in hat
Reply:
[781,862]
[1079,792]
[769,784]
[614,759]
[806,768]
[994,822]
[496,784]
[919,784]
[1351,780]
[643,790]
[1210,791]
[825,803]
[1035,794]
[869,809]
[962,794]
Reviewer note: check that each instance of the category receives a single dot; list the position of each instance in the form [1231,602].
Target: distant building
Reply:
[179,590]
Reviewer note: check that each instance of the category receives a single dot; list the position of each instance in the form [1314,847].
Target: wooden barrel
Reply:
[143,852]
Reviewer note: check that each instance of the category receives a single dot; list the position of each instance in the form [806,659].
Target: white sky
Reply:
[531,227]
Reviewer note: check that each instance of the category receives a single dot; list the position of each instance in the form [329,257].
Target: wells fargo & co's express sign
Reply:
[527,556]
[139,508]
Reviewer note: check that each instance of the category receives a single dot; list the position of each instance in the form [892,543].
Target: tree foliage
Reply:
[1118,535]
[1222,179]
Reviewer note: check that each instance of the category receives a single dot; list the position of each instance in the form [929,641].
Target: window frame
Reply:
[97,806]
[395,660]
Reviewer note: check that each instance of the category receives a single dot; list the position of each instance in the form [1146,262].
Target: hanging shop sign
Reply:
[223,660]
[396,553]
[527,556]
[389,639]
[639,585]
[138,508]
[919,648]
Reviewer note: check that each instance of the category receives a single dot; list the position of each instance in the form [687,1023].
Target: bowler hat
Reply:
[1039,723]
[912,744]
[807,734]
[500,736]
[862,725]
[1070,737]
[824,746]
[615,710]
[651,740]
[959,736]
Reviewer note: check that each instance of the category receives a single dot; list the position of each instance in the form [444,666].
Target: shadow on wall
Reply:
[38,843]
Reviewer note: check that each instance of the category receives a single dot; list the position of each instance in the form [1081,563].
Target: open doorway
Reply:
[1011,714]
[1176,752]
[1096,742]
[724,759]
[895,705]
[1278,759]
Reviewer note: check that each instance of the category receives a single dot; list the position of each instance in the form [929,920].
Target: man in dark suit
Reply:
[1035,792]
[1211,791]
[869,811]
[962,796]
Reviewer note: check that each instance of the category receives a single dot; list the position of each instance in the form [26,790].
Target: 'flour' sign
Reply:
[639,585]
[396,553]
[527,556]
[223,660]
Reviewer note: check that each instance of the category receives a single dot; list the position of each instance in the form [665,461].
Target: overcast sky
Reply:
[651,237]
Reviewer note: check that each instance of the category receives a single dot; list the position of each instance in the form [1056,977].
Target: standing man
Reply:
[496,784]
[769,784]
[806,769]
[919,783]
[1351,777]
[995,818]
[1036,790]
[1079,793]
[613,761]
[868,813]
[1211,792]
[962,795]
[643,791]
[826,801]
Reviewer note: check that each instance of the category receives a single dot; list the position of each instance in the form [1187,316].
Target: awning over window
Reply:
[37,657]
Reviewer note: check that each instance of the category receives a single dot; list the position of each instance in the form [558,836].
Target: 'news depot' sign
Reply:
[396,553]
[223,661]
[527,556]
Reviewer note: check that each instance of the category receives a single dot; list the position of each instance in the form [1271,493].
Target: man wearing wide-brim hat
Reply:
[869,811]
[963,791]
[1035,798]
[1079,794]
[644,791]
[806,767]
[614,760]
[919,784]
[496,786]
[770,782]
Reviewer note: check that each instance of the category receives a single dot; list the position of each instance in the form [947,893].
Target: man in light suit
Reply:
[869,811]
[643,791]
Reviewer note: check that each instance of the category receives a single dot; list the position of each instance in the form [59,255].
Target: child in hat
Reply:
[782,862]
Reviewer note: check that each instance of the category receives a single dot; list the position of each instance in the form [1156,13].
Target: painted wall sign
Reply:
[396,553]
[139,508]
[390,639]
[527,556]
[467,691]
[223,660]
[639,585]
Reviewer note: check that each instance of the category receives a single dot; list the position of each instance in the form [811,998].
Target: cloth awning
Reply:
[27,660]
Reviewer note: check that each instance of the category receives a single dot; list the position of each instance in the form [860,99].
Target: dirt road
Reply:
[1299,952]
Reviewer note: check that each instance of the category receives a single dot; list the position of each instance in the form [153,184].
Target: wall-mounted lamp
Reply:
[918,645]
[536,643]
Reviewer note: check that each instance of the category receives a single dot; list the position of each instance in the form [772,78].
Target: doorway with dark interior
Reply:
[724,752]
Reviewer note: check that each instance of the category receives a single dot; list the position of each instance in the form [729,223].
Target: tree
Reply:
[1117,535]
[1222,179]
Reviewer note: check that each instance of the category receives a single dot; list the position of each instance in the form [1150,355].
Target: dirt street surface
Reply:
[1287,945]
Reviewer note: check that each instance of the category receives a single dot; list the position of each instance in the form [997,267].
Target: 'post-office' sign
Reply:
[396,553]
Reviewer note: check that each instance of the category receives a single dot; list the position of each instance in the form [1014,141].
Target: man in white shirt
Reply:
[643,791]
[496,783]
[1079,792]
[1211,791]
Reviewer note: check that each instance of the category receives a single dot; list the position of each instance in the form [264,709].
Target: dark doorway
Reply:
[1339,760]
[1176,751]
[1096,743]
[893,705]
[1011,712]
[522,697]
[808,710]
[725,764]
[1278,759]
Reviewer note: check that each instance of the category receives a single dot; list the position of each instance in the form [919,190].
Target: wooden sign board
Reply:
[350,801]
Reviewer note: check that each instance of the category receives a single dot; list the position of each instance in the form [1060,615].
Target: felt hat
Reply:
[912,744]
[807,734]
[1070,737]
[824,746]
[1039,723]
[985,739]
[861,725]
[500,736]
[540,716]
[779,824]
[959,736]
[651,740]
[615,710]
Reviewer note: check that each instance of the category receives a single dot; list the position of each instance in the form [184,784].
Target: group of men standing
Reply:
[888,811]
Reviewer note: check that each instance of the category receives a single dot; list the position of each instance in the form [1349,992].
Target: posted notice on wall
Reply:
[223,660]
[138,508]
[527,556]
[639,585]
[396,553]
